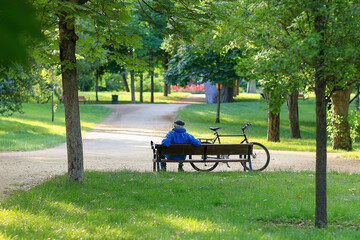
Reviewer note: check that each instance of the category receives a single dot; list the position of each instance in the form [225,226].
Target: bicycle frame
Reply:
[217,137]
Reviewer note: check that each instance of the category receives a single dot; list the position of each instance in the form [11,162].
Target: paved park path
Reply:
[122,142]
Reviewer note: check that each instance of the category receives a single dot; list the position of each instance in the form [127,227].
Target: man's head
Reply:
[179,124]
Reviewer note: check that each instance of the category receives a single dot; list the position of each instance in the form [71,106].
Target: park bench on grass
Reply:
[202,153]
[80,98]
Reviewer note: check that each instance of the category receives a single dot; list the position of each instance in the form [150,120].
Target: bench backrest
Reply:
[206,149]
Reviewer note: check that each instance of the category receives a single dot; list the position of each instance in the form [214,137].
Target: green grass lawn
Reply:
[252,109]
[133,205]
[125,97]
[33,129]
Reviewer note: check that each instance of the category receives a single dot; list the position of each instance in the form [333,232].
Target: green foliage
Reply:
[19,27]
[353,120]
[193,64]
[221,205]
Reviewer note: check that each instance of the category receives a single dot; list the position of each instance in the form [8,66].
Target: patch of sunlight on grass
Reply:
[354,156]
[67,207]
[49,126]
[192,225]
[87,125]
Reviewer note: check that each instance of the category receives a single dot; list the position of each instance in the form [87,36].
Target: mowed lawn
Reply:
[219,205]
[222,205]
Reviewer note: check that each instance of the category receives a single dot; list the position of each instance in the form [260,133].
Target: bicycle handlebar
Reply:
[245,126]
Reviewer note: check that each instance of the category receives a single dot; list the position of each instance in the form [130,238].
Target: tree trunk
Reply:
[273,133]
[132,81]
[96,85]
[152,86]
[218,105]
[141,100]
[152,77]
[132,76]
[210,92]
[237,88]
[321,135]
[166,85]
[251,87]
[293,111]
[67,45]
[126,85]
[227,94]
[340,110]
[357,99]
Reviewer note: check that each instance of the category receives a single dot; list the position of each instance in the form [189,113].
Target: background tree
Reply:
[105,19]
[201,65]
[309,33]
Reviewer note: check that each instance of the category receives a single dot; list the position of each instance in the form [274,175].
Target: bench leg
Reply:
[158,163]
[250,166]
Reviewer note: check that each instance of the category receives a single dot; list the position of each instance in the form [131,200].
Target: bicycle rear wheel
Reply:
[204,166]
[260,158]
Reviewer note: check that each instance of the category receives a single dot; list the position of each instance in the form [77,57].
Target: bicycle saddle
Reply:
[214,128]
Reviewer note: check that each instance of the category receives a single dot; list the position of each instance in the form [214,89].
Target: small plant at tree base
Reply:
[353,121]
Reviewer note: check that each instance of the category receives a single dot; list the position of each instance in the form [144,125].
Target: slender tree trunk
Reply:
[166,85]
[321,135]
[340,110]
[132,82]
[273,133]
[132,75]
[141,88]
[67,45]
[96,85]
[293,111]
[126,85]
[218,105]
[152,78]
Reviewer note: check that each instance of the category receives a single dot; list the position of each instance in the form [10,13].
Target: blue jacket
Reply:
[179,136]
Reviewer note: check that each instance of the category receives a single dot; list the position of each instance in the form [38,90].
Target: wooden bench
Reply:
[303,97]
[202,153]
[80,99]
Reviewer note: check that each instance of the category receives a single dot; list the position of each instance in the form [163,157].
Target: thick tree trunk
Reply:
[273,133]
[293,111]
[227,94]
[251,87]
[340,110]
[217,120]
[237,88]
[210,92]
[67,44]
[141,100]
[126,85]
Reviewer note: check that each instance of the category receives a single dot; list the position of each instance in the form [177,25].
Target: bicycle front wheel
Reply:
[260,158]
[205,166]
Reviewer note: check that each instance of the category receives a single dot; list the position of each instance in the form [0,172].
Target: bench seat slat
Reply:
[209,149]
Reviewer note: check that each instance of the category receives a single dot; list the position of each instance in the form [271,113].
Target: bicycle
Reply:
[259,159]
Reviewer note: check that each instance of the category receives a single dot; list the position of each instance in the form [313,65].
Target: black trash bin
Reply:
[115,99]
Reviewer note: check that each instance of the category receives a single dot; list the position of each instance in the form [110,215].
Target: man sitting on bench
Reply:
[178,135]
